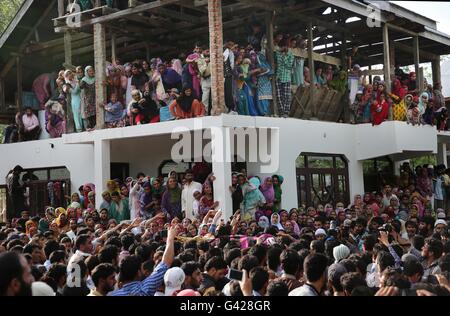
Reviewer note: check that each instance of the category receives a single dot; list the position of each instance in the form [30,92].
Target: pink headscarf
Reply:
[268,190]
[177,66]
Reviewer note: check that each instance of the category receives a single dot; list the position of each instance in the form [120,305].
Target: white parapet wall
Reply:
[146,147]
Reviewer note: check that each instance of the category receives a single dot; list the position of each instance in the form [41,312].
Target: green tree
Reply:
[8,8]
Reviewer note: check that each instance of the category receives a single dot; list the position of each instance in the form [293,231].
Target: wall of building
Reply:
[146,147]
[78,159]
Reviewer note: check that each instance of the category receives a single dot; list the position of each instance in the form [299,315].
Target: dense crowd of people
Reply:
[169,237]
[147,92]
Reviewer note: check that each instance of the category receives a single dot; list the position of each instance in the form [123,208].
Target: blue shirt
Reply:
[148,287]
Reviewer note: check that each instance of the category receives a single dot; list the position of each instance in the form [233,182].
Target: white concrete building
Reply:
[88,156]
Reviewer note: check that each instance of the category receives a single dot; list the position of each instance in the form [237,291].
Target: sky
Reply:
[436,10]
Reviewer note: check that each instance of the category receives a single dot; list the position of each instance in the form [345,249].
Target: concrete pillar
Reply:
[102,168]
[442,154]
[356,178]
[216,51]
[100,72]
[221,167]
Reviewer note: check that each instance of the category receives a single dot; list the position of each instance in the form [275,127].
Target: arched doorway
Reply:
[322,179]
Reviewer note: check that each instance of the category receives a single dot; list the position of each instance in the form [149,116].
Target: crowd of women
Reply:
[143,92]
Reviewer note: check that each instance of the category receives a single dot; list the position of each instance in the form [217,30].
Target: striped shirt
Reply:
[148,287]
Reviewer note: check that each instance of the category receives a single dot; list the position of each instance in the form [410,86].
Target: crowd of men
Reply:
[168,237]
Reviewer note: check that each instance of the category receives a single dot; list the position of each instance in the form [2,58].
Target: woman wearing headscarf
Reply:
[44,223]
[145,200]
[87,188]
[423,103]
[119,209]
[412,83]
[177,66]
[88,105]
[379,110]
[171,199]
[277,182]
[114,81]
[30,228]
[398,89]
[253,199]
[187,106]
[157,188]
[207,202]
[62,222]
[112,186]
[264,85]
[55,122]
[275,221]
[424,184]
[340,83]
[269,192]
[73,88]
[190,75]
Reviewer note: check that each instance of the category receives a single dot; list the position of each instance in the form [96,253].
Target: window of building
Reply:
[322,179]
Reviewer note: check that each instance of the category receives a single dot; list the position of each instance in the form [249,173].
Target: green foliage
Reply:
[426,160]
[8,8]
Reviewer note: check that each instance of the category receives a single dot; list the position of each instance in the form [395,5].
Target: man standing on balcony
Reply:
[285,62]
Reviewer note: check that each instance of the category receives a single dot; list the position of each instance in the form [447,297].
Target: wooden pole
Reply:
[387,65]
[100,72]
[61,8]
[113,47]
[19,83]
[68,48]
[216,53]
[436,66]
[271,59]
[312,70]
[416,59]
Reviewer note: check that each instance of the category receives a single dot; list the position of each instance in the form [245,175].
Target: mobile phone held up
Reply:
[235,275]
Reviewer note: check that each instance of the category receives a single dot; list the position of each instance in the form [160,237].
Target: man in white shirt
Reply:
[83,244]
[30,129]
[187,195]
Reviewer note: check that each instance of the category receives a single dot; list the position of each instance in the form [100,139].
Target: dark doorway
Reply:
[377,173]
[322,179]
[120,171]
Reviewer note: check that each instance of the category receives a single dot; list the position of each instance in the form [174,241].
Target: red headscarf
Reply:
[398,89]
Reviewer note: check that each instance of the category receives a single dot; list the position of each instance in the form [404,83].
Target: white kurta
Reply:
[187,198]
